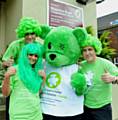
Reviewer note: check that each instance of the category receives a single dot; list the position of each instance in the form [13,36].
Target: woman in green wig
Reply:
[23,83]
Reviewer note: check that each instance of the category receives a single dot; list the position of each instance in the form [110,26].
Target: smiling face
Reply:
[61,47]
[32,58]
[30,37]
[89,54]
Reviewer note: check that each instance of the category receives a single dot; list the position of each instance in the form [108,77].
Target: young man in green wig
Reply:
[100,73]
[27,31]
[23,83]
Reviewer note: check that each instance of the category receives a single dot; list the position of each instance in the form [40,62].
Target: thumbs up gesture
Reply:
[8,63]
[107,77]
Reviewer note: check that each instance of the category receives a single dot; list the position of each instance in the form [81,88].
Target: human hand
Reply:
[107,77]
[8,63]
[42,74]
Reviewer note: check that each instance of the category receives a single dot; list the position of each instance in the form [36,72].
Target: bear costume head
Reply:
[62,44]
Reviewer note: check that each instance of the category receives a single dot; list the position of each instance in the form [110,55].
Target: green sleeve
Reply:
[111,68]
[10,52]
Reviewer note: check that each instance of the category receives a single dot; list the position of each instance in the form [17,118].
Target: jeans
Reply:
[50,117]
[103,113]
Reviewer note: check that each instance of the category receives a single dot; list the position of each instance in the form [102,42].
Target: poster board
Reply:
[64,14]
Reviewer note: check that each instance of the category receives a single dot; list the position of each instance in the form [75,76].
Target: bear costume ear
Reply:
[45,30]
[80,34]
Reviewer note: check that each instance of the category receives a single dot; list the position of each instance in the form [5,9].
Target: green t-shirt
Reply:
[24,105]
[98,93]
[14,49]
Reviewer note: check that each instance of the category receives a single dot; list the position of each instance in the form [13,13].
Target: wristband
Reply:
[115,80]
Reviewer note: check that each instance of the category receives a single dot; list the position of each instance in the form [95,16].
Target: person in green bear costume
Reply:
[62,97]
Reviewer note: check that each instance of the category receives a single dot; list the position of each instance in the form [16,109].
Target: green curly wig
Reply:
[93,42]
[28,25]
[28,75]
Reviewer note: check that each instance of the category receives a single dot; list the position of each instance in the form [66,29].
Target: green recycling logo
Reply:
[53,80]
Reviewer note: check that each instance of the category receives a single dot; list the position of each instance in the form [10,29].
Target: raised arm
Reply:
[6,82]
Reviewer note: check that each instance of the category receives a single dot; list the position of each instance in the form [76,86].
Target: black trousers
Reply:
[49,117]
[7,107]
[103,113]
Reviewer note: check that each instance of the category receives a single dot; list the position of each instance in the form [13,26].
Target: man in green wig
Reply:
[23,83]
[100,73]
[27,31]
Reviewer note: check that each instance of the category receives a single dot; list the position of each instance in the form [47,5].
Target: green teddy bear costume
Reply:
[64,89]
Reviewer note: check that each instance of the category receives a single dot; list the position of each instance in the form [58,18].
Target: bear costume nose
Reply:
[52,56]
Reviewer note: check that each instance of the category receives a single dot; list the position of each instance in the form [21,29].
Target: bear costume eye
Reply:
[61,46]
[49,45]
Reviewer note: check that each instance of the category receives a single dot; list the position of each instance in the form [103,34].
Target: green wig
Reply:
[28,25]
[28,75]
[93,42]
